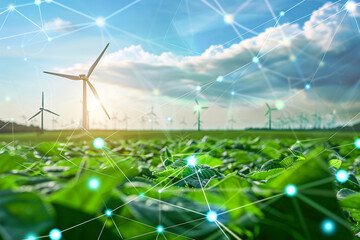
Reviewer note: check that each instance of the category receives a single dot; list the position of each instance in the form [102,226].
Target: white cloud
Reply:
[174,76]
[58,25]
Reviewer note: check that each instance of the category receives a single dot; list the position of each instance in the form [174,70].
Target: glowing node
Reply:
[169,119]
[160,229]
[48,1]
[156,92]
[30,237]
[8,47]
[220,79]
[290,190]
[100,22]
[99,143]
[55,234]
[11,8]
[357,143]
[49,39]
[255,59]
[211,216]
[286,42]
[292,58]
[198,88]
[297,141]
[25,59]
[282,13]
[307,86]
[149,120]
[197,108]
[279,104]
[160,190]
[321,64]
[229,18]
[328,226]
[94,183]
[11,119]
[191,161]
[141,195]
[342,176]
[37,2]
[350,6]
[7,99]
[232,93]
[108,213]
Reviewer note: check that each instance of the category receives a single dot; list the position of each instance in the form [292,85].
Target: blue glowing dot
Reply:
[149,120]
[282,13]
[30,237]
[160,229]
[94,183]
[232,93]
[25,59]
[11,7]
[55,234]
[328,226]
[99,143]
[255,59]
[198,88]
[191,161]
[342,176]
[49,39]
[290,190]
[211,216]
[141,195]
[108,213]
[169,119]
[220,79]
[37,2]
[307,86]
[357,143]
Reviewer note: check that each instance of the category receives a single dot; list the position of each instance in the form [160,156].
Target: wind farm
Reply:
[209,120]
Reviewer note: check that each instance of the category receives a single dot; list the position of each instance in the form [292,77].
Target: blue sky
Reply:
[160,51]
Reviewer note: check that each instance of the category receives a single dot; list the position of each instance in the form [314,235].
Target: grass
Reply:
[113,135]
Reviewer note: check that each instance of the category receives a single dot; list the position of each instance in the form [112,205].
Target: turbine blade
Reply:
[52,112]
[98,98]
[267,113]
[97,61]
[34,115]
[197,103]
[267,105]
[72,77]
[204,107]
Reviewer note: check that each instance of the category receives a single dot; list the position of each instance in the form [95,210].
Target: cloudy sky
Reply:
[233,56]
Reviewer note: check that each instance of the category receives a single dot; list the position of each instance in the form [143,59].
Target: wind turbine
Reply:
[42,109]
[269,113]
[232,122]
[183,123]
[115,118]
[85,79]
[151,116]
[125,120]
[197,110]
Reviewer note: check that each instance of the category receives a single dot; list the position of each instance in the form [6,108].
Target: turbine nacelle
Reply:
[83,77]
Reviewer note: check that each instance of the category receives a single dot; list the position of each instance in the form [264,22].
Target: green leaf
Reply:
[335,163]
[265,175]
[23,213]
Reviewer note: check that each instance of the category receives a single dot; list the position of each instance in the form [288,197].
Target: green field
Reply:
[112,135]
[164,185]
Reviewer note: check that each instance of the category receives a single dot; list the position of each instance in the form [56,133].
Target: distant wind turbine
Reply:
[152,117]
[85,79]
[197,111]
[183,123]
[269,113]
[42,109]
[232,122]
[125,120]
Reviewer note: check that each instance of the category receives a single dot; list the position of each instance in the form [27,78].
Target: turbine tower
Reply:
[152,116]
[42,109]
[269,113]
[197,110]
[85,79]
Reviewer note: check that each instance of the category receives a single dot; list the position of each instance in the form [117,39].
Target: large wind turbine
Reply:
[85,79]
[197,110]
[42,109]
[269,113]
